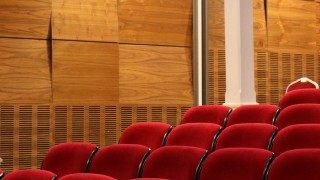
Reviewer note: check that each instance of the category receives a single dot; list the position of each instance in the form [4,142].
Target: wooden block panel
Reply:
[25,71]
[85,72]
[293,25]
[25,19]
[215,29]
[259,24]
[161,22]
[90,20]
[155,74]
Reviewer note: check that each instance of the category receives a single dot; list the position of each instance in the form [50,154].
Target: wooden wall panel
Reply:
[259,25]
[292,25]
[216,24]
[161,22]
[87,72]
[90,20]
[318,24]
[155,74]
[25,19]
[25,71]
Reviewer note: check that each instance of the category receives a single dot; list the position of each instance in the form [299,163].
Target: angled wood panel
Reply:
[85,72]
[25,71]
[259,24]
[91,20]
[155,74]
[26,19]
[164,22]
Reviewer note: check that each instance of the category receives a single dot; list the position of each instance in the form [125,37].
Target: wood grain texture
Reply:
[293,25]
[91,20]
[24,71]
[215,29]
[318,24]
[155,74]
[161,22]
[25,19]
[85,72]
[259,25]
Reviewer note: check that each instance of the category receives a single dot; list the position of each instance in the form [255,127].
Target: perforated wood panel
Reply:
[7,135]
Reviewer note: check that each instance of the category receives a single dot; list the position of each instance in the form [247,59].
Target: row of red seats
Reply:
[115,160]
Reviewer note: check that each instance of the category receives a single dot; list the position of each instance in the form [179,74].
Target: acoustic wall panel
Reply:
[155,74]
[25,71]
[89,20]
[161,22]
[25,19]
[85,72]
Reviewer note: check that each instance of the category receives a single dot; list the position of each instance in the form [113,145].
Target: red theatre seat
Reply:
[236,164]
[250,135]
[150,134]
[263,113]
[298,136]
[296,164]
[30,174]
[201,135]
[121,161]
[216,114]
[299,114]
[302,83]
[68,158]
[174,162]
[1,173]
[86,176]
[300,96]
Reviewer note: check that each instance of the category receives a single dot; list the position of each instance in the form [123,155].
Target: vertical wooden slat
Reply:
[112,130]
[142,114]
[210,77]
[25,137]
[274,80]
[43,132]
[172,116]
[94,124]
[77,123]
[221,76]
[261,77]
[156,114]
[286,71]
[7,137]
[60,124]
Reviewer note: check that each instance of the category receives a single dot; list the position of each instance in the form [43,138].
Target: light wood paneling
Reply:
[25,71]
[259,24]
[292,25]
[26,19]
[318,24]
[85,72]
[216,24]
[155,74]
[161,22]
[91,20]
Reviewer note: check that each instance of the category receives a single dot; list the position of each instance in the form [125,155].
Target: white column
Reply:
[239,53]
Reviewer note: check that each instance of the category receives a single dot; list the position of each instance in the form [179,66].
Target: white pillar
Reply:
[239,53]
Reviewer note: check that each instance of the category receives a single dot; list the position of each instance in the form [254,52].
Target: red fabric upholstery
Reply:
[296,164]
[149,179]
[299,84]
[206,113]
[251,135]
[30,175]
[300,96]
[120,161]
[1,173]
[199,135]
[150,134]
[68,158]
[235,164]
[297,137]
[86,176]
[263,113]
[299,114]
[173,162]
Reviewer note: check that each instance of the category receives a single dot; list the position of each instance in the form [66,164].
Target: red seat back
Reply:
[201,135]
[207,113]
[150,134]
[68,158]
[121,161]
